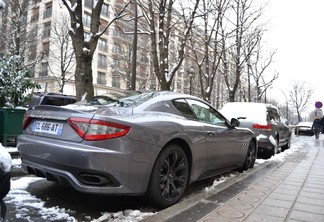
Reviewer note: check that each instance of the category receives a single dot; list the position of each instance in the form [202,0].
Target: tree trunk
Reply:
[231,96]
[83,77]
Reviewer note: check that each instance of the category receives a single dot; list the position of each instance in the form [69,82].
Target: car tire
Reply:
[274,150]
[250,158]
[286,146]
[169,177]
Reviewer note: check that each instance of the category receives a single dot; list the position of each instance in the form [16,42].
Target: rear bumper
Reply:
[265,143]
[304,132]
[86,168]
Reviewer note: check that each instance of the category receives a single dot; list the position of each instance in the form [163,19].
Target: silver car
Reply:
[265,120]
[154,144]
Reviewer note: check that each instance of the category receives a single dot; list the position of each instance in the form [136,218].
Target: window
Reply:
[86,36]
[194,109]
[102,45]
[44,69]
[88,3]
[86,20]
[46,48]
[103,25]
[47,30]
[205,113]
[32,70]
[48,11]
[273,114]
[115,64]
[34,2]
[117,49]
[33,51]
[101,78]
[35,15]
[117,32]
[102,61]
[33,33]
[116,81]
[183,107]
[105,10]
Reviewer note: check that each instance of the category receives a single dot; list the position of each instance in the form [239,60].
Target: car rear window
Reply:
[136,100]
[56,101]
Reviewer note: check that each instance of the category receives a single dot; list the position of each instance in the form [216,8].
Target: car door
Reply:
[285,128]
[221,141]
[281,128]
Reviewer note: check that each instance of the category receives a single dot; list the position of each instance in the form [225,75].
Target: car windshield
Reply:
[135,100]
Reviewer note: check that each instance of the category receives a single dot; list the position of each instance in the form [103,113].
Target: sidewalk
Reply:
[292,191]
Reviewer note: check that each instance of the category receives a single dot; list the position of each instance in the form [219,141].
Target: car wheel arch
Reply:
[251,156]
[186,148]
[151,192]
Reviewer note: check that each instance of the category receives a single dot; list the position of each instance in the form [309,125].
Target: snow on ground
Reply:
[5,160]
[24,201]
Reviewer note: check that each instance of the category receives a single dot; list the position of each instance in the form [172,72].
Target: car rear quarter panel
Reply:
[160,129]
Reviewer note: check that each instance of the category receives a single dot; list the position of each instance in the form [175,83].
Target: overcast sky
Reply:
[295,29]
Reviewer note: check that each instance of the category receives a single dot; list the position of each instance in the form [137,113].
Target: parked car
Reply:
[304,128]
[153,143]
[265,120]
[54,99]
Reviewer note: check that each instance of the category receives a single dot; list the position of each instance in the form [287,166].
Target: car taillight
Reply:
[90,129]
[26,120]
[262,127]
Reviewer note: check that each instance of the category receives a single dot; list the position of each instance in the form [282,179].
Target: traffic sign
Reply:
[318,104]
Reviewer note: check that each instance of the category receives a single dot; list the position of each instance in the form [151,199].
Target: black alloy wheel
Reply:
[250,158]
[169,177]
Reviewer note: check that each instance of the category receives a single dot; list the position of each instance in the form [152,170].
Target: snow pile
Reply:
[122,216]
[5,160]
[2,4]
[26,203]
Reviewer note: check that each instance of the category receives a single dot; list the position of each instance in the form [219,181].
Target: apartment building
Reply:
[111,61]
[49,48]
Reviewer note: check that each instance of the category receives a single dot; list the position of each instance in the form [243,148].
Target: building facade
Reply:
[49,50]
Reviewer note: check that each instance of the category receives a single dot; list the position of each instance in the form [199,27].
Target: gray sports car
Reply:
[153,143]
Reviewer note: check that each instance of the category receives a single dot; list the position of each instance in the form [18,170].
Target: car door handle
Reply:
[210,133]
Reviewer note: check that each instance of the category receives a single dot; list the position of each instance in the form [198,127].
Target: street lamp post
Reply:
[287,110]
[286,103]
[191,72]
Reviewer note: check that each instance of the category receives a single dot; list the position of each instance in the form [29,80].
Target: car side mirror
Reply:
[235,122]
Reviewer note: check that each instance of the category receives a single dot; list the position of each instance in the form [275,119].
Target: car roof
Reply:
[245,110]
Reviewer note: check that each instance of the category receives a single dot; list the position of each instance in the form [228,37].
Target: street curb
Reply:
[204,197]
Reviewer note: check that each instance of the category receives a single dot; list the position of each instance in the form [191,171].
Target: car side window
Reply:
[205,113]
[273,114]
[183,107]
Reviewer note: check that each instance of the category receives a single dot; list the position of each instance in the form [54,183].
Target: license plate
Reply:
[48,127]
